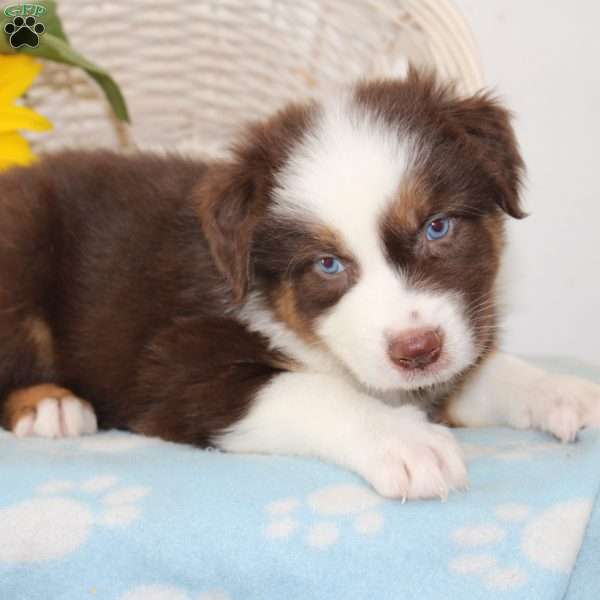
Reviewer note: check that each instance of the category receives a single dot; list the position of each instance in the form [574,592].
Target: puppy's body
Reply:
[319,293]
[109,290]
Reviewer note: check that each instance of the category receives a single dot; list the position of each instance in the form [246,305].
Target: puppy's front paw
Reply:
[562,405]
[48,411]
[405,456]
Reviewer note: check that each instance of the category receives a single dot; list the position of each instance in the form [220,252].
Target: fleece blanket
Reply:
[121,517]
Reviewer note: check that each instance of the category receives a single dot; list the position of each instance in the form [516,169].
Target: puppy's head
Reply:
[372,226]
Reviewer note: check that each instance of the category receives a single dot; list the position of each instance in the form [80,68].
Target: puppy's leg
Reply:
[395,449]
[508,391]
[48,410]
[29,403]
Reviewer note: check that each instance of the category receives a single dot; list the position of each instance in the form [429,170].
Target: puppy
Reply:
[327,291]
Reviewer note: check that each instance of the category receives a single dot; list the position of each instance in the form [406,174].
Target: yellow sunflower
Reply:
[17,72]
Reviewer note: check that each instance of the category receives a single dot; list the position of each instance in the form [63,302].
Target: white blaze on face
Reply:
[345,174]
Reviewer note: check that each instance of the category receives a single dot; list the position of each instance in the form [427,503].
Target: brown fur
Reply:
[108,252]
[40,334]
[284,256]
[286,309]
[473,134]
[410,208]
[121,275]
[466,261]
[470,169]
[233,196]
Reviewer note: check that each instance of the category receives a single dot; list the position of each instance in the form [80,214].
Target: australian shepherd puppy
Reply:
[327,291]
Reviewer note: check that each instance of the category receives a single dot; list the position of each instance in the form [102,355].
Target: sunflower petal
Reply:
[17,72]
[14,150]
[20,117]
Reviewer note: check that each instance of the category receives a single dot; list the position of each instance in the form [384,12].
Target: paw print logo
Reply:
[24,32]
[62,517]
[548,540]
[330,510]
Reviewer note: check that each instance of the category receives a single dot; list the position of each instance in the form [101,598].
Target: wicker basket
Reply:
[192,71]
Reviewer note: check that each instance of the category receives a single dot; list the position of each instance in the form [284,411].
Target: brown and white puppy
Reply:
[323,292]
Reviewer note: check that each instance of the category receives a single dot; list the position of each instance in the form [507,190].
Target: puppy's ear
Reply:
[487,125]
[229,210]
[232,197]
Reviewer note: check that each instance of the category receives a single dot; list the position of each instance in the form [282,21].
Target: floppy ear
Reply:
[479,122]
[233,196]
[227,204]
[487,125]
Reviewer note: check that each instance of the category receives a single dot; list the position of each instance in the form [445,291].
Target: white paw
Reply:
[405,456]
[54,418]
[562,405]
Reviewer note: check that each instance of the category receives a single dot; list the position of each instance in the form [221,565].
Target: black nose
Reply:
[415,348]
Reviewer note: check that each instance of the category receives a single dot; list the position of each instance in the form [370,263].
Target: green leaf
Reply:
[54,46]
[51,20]
[57,50]
[4,45]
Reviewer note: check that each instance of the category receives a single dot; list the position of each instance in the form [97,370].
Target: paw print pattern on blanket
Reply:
[111,442]
[62,515]
[336,504]
[510,451]
[549,539]
[170,592]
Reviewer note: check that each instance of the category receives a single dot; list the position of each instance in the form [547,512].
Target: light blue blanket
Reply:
[121,517]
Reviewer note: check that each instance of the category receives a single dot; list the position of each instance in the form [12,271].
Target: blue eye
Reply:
[438,228]
[330,265]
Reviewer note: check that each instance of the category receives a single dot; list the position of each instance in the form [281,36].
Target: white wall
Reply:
[543,58]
